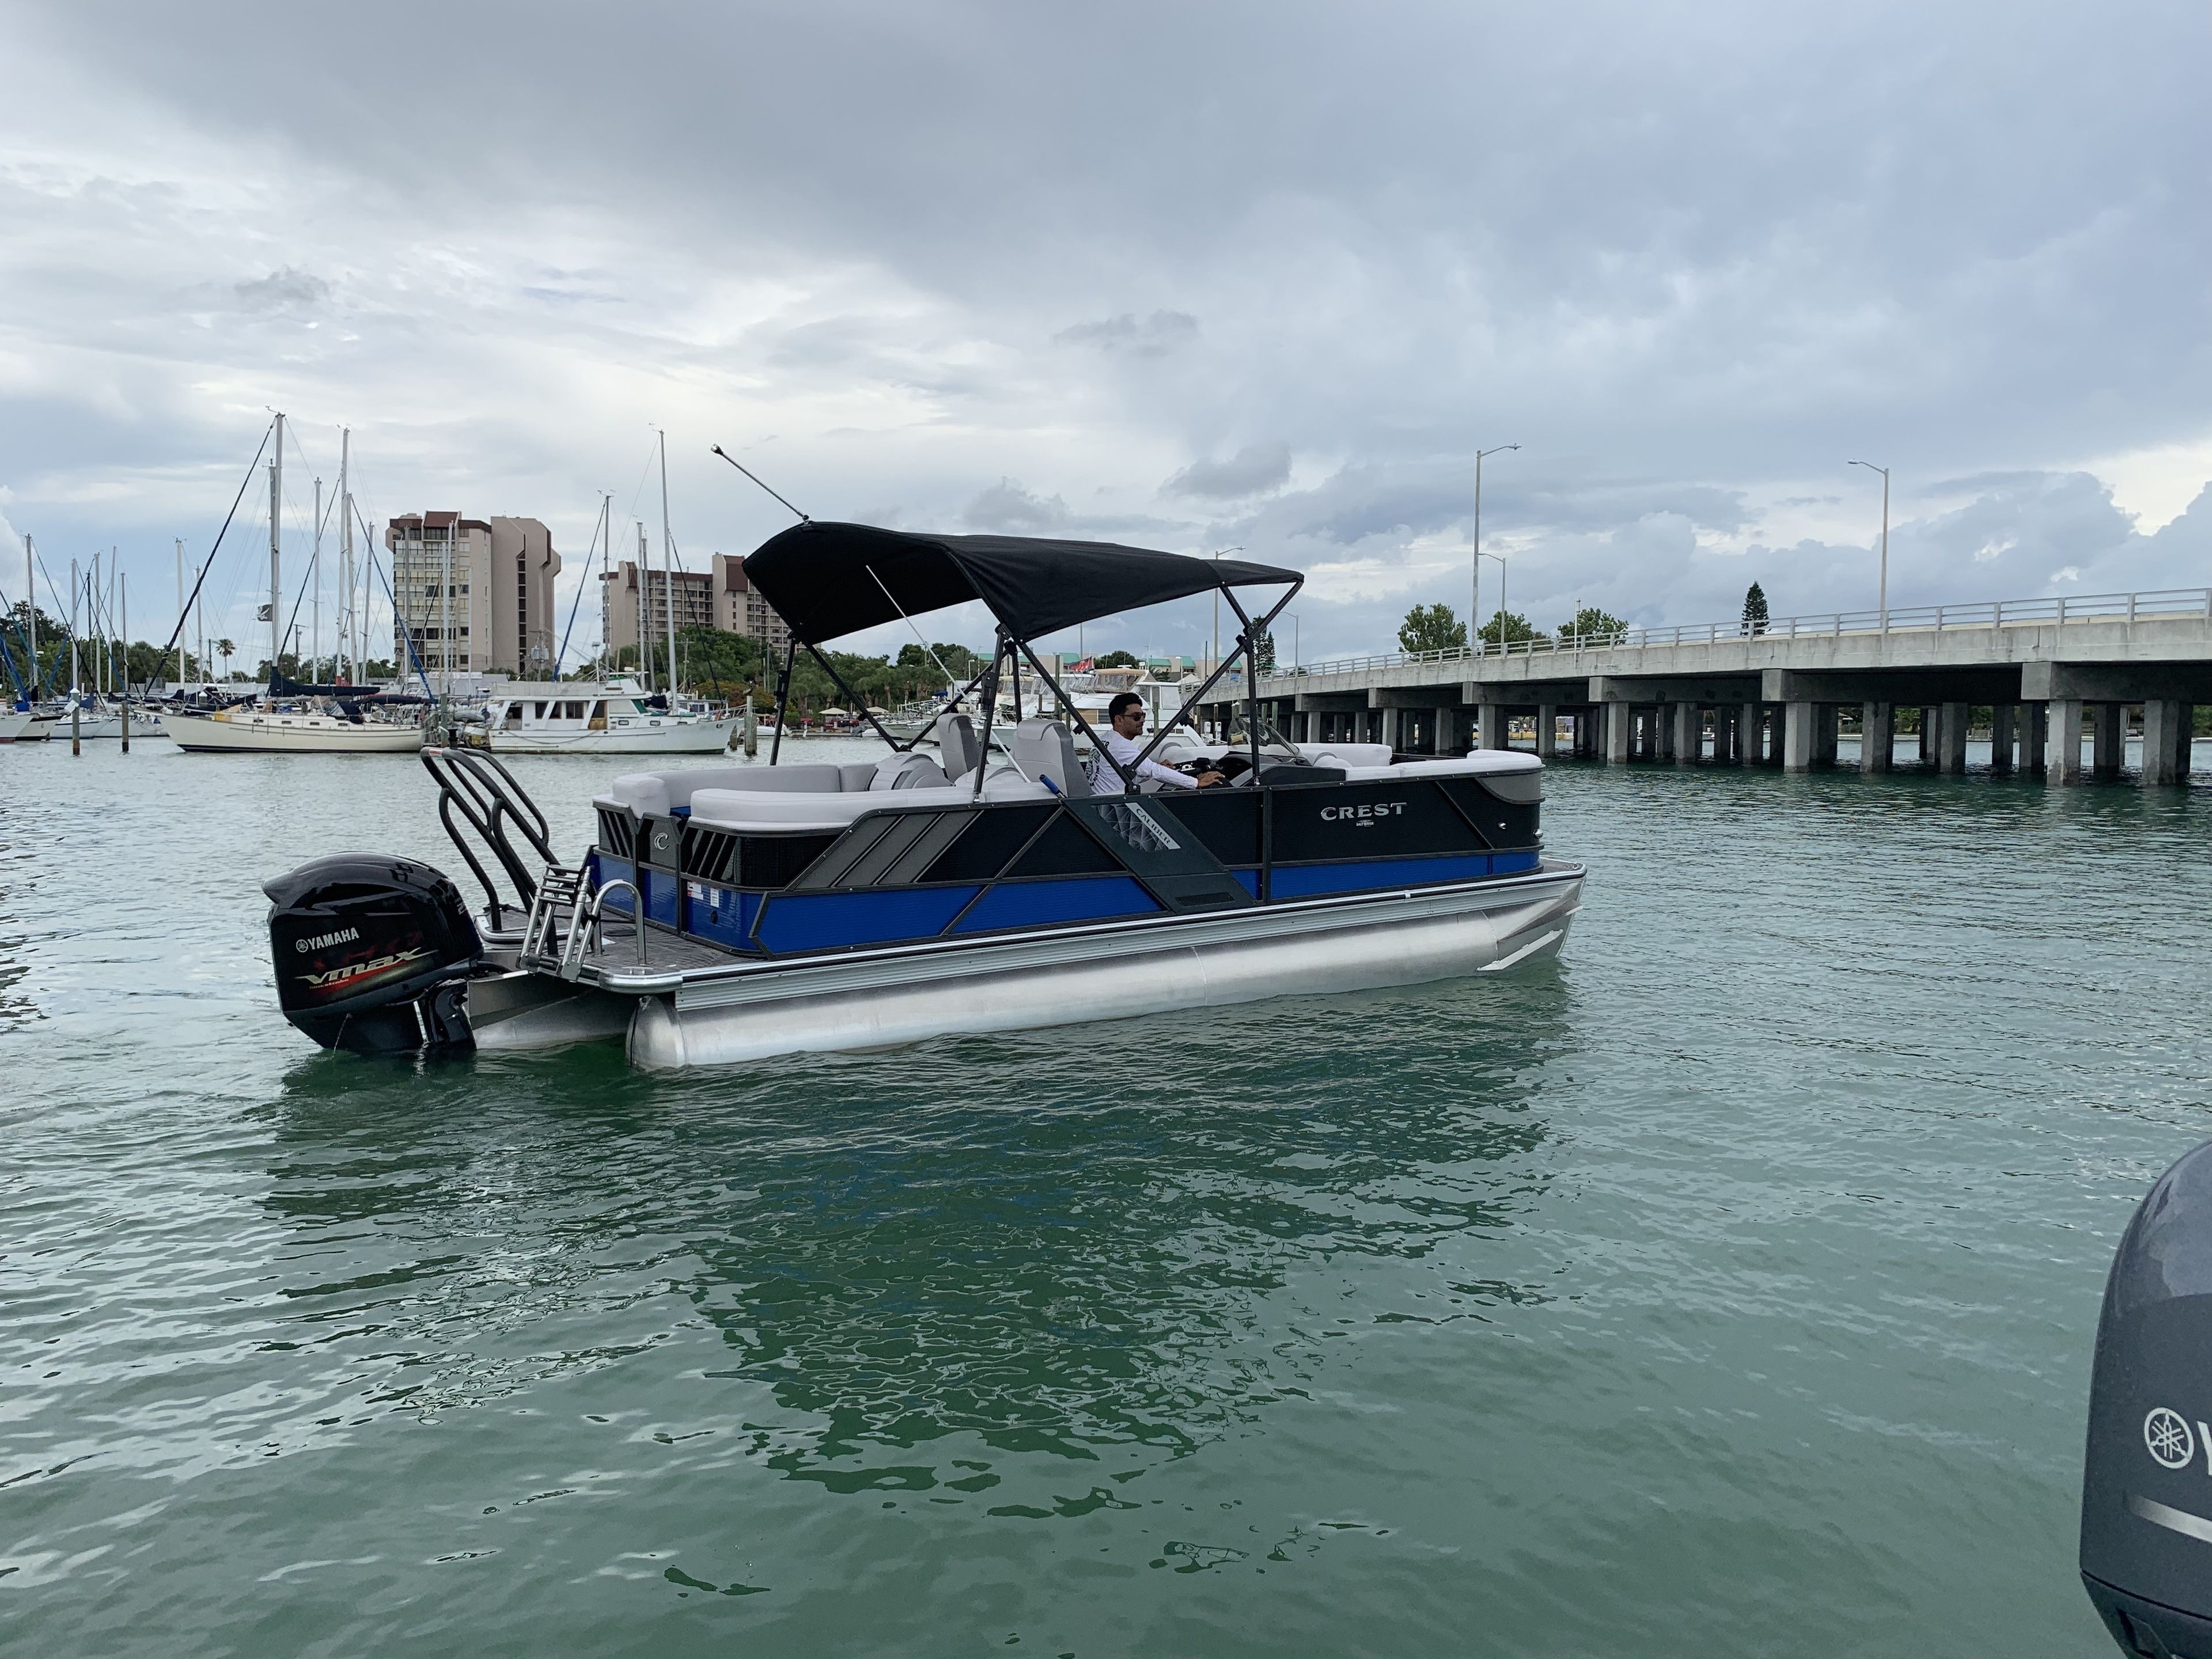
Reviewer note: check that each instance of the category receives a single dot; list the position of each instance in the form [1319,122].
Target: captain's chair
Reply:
[1044,752]
[957,748]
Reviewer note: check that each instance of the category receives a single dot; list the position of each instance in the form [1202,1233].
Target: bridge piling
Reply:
[2065,744]
[2108,739]
[1797,737]
[1951,740]
[2162,743]
[1689,734]
[1877,736]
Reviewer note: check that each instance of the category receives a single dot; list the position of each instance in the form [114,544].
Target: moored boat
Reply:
[617,716]
[277,728]
[734,913]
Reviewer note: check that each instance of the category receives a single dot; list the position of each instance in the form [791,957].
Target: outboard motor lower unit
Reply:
[2146,1487]
[372,953]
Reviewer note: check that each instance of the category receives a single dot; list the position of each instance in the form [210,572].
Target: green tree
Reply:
[226,649]
[1263,652]
[1754,609]
[1116,659]
[1431,628]
[1591,626]
[1508,627]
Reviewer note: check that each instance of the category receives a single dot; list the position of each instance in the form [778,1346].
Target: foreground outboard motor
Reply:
[372,953]
[2147,1488]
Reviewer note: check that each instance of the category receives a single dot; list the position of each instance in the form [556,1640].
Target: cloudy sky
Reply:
[1189,276]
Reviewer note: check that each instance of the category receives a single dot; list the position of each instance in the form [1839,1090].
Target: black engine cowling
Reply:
[371,952]
[2147,1483]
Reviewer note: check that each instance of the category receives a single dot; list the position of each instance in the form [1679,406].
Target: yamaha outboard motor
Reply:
[372,953]
[2147,1488]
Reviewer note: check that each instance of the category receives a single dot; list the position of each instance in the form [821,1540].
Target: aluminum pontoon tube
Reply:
[886,999]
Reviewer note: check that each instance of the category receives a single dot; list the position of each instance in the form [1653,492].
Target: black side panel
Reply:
[997,834]
[1065,850]
[1503,823]
[1149,841]
[1227,821]
[774,860]
[617,834]
[709,854]
[1390,818]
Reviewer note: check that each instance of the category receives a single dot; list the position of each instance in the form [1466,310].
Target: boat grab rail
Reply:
[589,924]
[484,793]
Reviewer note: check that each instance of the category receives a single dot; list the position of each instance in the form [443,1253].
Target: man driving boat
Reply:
[1125,724]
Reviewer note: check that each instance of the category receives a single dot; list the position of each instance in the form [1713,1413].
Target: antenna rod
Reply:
[802,517]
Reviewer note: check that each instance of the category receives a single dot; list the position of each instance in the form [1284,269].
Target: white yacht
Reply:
[617,716]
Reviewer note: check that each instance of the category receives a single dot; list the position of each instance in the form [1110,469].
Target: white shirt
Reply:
[1105,781]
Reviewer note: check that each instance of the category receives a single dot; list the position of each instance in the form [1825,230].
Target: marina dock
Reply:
[2053,670]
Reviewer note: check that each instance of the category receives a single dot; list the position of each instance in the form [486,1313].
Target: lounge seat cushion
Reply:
[659,793]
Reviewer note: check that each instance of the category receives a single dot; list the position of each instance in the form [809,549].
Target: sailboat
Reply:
[290,717]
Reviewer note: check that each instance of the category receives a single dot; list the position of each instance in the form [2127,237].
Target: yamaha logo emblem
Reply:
[344,935]
[2167,1438]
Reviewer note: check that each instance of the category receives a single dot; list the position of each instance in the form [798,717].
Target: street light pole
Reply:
[1883,592]
[1474,611]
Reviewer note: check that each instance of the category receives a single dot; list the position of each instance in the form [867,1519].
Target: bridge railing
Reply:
[2161,604]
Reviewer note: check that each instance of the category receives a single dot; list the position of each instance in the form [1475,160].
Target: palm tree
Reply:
[223,648]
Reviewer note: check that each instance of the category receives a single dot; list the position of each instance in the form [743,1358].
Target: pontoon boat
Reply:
[733,913]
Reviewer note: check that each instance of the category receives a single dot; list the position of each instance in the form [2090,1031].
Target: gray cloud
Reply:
[282,290]
[1153,337]
[1008,509]
[1252,471]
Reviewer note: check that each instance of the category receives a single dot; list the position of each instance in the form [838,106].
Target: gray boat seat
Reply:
[908,771]
[856,775]
[745,810]
[1043,749]
[956,749]
[659,793]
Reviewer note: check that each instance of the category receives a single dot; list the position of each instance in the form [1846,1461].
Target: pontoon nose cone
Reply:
[2147,1485]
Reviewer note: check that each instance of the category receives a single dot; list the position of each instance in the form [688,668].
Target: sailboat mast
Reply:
[315,568]
[644,602]
[31,604]
[277,551]
[668,569]
[181,618]
[347,620]
[74,687]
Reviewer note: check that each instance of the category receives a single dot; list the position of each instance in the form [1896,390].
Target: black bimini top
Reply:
[828,580]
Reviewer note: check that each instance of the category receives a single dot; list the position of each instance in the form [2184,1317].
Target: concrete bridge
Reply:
[2053,670]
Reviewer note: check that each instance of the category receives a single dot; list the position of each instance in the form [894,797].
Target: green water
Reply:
[1726,1289]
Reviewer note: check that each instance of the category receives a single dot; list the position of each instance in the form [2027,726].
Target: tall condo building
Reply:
[473,593]
[718,597]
